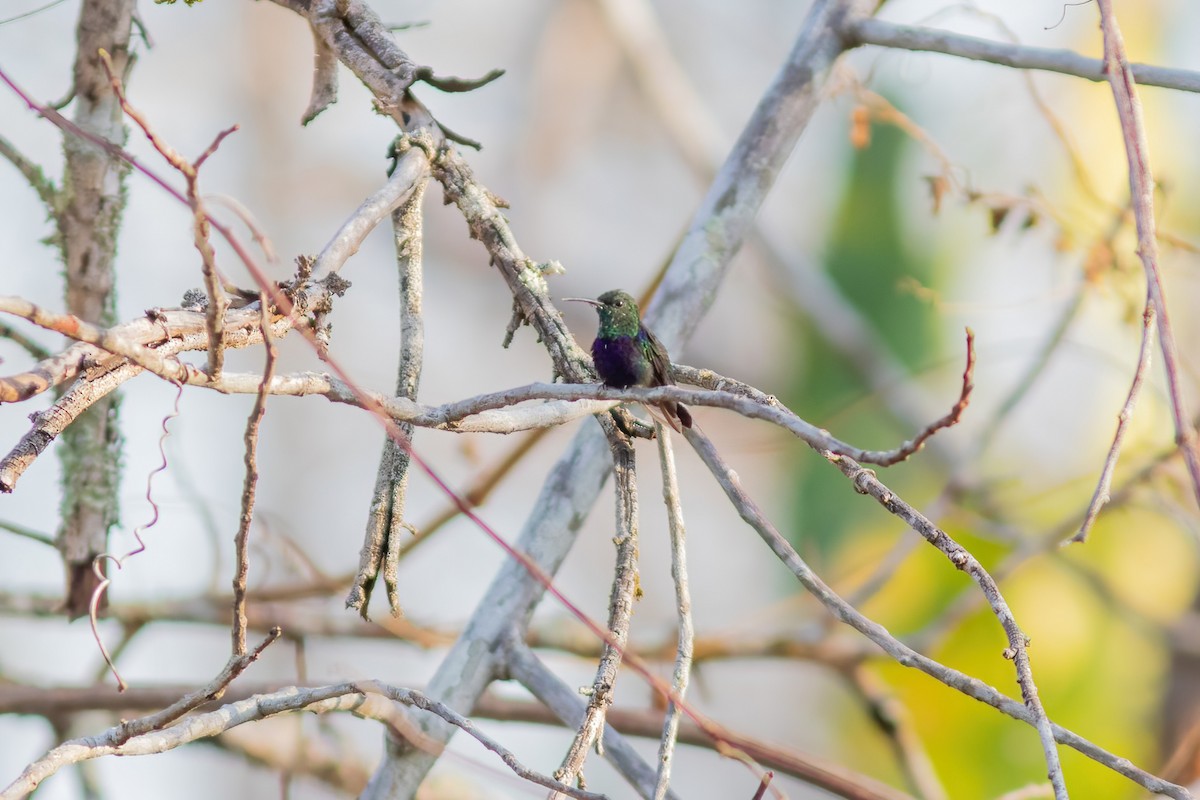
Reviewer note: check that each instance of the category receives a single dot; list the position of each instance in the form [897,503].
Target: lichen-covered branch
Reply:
[92,202]
[386,530]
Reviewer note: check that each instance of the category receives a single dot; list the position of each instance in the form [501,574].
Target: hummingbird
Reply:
[626,353]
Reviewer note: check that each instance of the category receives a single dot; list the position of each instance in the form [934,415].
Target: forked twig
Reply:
[213,283]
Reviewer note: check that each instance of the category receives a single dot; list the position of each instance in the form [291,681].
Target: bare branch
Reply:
[250,487]
[217,302]
[406,180]
[104,338]
[47,192]
[902,653]
[386,531]
[450,84]
[910,37]
[24,342]
[683,607]
[48,424]
[1141,191]
[526,278]
[478,491]
[325,79]
[951,418]
[213,691]
[525,668]
[1100,497]
[60,700]
[352,697]
[620,613]
[167,332]
[865,482]
[27,533]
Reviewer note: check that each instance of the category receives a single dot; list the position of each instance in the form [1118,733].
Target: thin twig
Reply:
[865,482]
[241,540]
[28,533]
[1121,77]
[563,701]
[217,302]
[620,612]
[911,37]
[683,607]
[525,277]
[902,653]
[47,192]
[479,490]
[339,697]
[950,419]
[1028,547]
[31,347]
[523,665]
[1101,496]
[215,688]
[257,233]
[761,791]
[406,179]
[325,78]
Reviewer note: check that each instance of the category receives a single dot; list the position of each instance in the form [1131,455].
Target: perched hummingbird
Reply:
[627,354]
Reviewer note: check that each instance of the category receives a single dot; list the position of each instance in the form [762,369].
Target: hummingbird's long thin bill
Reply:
[587,300]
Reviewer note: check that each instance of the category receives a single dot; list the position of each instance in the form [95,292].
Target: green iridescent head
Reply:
[618,312]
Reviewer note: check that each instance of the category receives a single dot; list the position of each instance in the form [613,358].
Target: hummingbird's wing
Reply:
[660,362]
[660,375]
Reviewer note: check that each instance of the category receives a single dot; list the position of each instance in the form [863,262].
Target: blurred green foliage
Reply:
[869,259]
[1097,625]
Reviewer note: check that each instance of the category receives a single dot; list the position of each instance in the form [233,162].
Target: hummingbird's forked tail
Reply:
[672,414]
